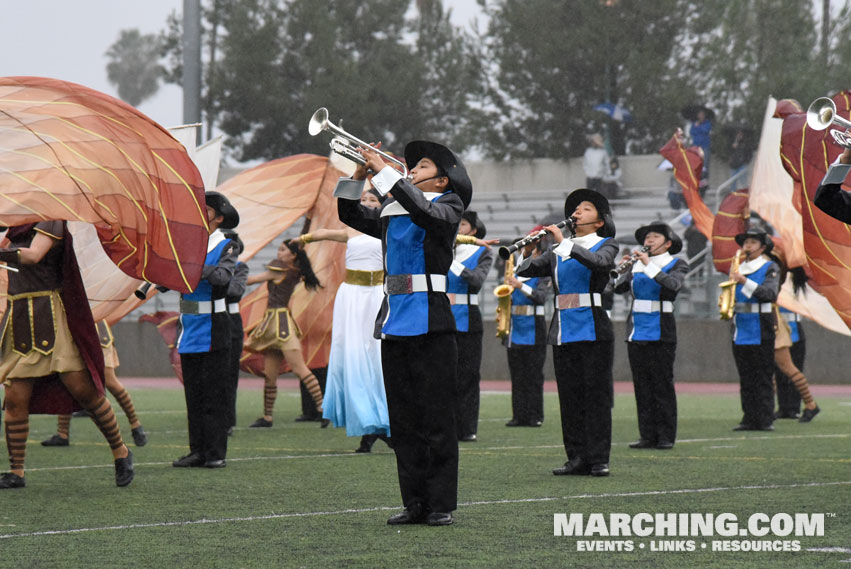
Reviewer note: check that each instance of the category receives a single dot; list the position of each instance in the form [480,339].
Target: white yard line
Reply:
[389,508]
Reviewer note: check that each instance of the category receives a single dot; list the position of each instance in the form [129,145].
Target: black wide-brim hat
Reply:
[223,207]
[448,161]
[758,234]
[662,229]
[600,202]
[475,222]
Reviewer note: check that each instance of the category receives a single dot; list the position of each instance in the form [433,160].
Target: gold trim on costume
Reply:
[364,278]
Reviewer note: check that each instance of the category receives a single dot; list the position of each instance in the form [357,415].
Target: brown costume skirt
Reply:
[783,335]
[62,357]
[277,331]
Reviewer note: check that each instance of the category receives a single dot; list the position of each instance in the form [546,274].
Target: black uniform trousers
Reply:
[206,385]
[755,365]
[419,378]
[236,341]
[652,365]
[583,373]
[788,396]
[526,366]
[469,377]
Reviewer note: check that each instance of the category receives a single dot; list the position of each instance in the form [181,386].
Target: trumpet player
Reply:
[654,276]
[757,284]
[581,332]
[466,275]
[830,198]
[416,326]
[526,345]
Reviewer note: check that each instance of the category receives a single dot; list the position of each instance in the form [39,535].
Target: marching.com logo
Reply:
[760,525]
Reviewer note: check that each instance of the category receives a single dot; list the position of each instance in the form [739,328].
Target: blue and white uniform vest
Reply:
[196,330]
[523,328]
[407,314]
[747,323]
[792,320]
[647,305]
[467,256]
[576,324]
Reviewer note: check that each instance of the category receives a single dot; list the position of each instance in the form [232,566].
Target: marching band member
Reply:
[526,347]
[277,336]
[418,349]
[784,341]
[354,394]
[788,397]
[753,329]
[236,288]
[655,280]
[204,344]
[830,198]
[113,385]
[51,356]
[463,283]
[581,332]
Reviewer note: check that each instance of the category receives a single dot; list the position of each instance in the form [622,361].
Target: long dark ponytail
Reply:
[302,261]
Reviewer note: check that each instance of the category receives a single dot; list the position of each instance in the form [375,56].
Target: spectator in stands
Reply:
[675,194]
[612,184]
[595,163]
[700,131]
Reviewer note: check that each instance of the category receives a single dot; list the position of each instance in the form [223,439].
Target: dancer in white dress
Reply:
[354,391]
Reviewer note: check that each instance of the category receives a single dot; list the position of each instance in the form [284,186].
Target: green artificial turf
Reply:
[297,496]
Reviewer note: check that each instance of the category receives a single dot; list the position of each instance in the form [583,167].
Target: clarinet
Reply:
[506,252]
[627,264]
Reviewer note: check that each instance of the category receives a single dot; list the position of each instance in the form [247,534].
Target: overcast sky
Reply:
[68,40]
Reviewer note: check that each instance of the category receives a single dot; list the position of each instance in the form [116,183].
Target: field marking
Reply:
[391,508]
[462,449]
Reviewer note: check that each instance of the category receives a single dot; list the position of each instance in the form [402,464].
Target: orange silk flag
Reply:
[688,164]
[69,152]
[806,155]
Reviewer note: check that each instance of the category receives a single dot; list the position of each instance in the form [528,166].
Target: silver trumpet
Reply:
[822,114]
[346,144]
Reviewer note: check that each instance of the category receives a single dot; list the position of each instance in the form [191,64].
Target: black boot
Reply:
[366,443]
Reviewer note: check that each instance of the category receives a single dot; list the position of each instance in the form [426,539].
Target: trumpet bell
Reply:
[318,122]
[820,113]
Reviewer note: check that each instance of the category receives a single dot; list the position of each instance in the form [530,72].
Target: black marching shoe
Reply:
[664,445]
[744,427]
[124,470]
[642,443]
[324,423]
[535,423]
[219,463]
[387,440]
[780,414]
[305,419]
[808,415]
[140,437]
[230,431]
[601,469]
[12,480]
[55,441]
[440,519]
[190,460]
[768,427]
[573,467]
[413,515]
[366,443]
[514,423]
[471,438]
[260,423]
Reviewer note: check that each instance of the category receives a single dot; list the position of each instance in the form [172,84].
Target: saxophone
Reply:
[503,295]
[727,300]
